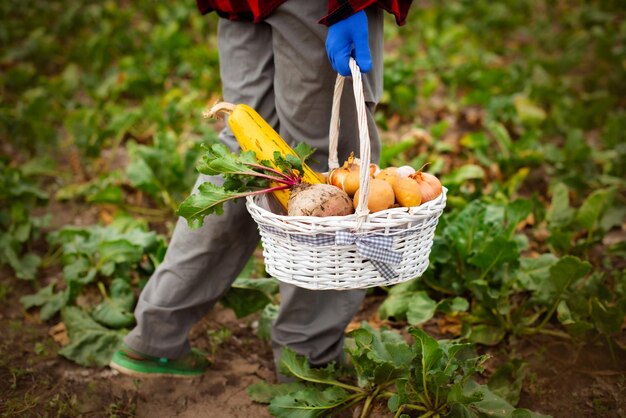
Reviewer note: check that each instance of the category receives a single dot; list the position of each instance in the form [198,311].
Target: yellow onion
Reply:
[408,192]
[347,177]
[380,196]
[430,186]
[337,175]
[389,174]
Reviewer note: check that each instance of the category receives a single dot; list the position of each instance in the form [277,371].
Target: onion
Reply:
[389,174]
[337,177]
[408,192]
[380,196]
[430,186]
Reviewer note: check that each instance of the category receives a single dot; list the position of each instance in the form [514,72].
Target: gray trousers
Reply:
[279,67]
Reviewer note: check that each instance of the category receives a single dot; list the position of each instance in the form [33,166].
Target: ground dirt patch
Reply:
[564,379]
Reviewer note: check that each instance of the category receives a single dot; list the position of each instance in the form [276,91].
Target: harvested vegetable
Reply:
[380,196]
[429,185]
[389,174]
[245,176]
[347,177]
[319,200]
[337,177]
[253,133]
[408,192]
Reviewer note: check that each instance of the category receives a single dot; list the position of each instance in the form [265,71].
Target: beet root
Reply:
[318,200]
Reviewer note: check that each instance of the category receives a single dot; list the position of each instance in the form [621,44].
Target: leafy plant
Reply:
[165,170]
[91,344]
[243,176]
[575,230]
[429,376]
[19,196]
[92,254]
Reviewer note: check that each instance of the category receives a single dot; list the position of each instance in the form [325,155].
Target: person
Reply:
[282,59]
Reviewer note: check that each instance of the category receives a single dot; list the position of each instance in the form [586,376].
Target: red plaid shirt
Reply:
[257,10]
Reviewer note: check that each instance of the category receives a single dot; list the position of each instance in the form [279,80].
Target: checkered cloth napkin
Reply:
[373,247]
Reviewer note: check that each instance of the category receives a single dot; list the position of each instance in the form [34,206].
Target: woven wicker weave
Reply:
[303,250]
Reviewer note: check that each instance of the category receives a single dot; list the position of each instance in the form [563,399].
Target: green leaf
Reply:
[379,357]
[116,310]
[516,212]
[533,272]
[140,175]
[566,271]
[269,314]
[468,230]
[592,209]
[453,305]
[80,270]
[38,298]
[392,151]
[111,315]
[421,308]
[91,344]
[294,162]
[502,137]
[458,410]
[606,318]
[492,405]
[292,364]
[304,151]
[497,251]
[427,348]
[507,380]
[563,314]
[462,174]
[527,110]
[486,334]
[50,302]
[398,304]
[247,296]
[208,199]
[308,403]
[264,392]
[116,252]
[219,160]
[560,214]
[25,267]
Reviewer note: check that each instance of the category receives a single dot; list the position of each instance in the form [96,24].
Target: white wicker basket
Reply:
[348,252]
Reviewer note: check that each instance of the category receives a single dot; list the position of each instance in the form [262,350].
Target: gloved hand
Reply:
[349,38]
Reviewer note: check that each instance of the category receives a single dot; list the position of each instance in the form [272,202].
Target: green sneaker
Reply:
[192,364]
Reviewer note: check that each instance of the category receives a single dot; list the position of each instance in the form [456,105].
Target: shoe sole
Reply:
[134,373]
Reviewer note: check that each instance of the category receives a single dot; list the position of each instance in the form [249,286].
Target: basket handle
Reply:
[364,137]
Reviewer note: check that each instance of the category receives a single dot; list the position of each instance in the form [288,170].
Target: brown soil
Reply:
[565,379]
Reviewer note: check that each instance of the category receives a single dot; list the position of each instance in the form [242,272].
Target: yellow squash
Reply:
[254,133]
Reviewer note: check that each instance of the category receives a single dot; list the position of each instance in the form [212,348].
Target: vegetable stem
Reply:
[290,176]
[330,382]
[283,180]
[415,407]
[218,110]
[399,411]
[368,403]
[538,330]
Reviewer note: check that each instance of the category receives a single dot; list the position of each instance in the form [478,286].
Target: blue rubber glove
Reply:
[349,38]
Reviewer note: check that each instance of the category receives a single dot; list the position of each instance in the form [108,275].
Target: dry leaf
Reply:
[449,324]
[59,334]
